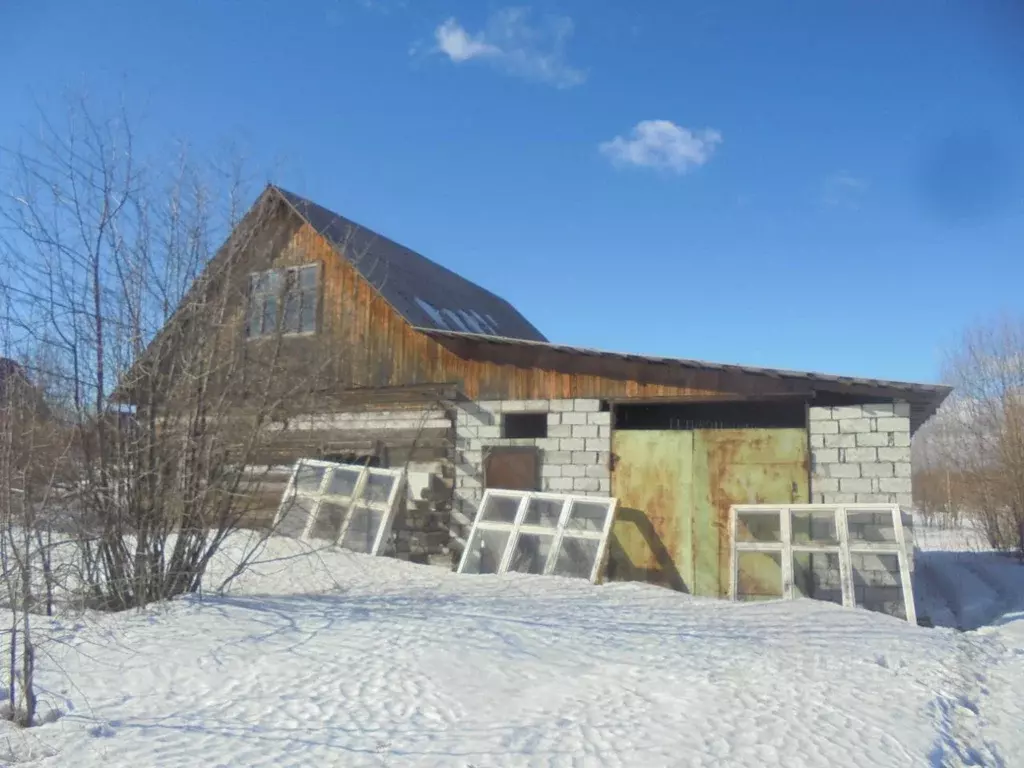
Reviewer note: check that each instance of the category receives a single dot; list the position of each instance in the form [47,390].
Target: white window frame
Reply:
[559,532]
[844,548]
[320,495]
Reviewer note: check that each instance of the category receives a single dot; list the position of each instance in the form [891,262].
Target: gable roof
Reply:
[424,293]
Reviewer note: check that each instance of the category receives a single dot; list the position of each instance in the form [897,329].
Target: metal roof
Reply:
[423,292]
[924,398]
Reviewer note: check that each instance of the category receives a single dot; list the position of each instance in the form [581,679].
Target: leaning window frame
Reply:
[844,547]
[350,503]
[558,532]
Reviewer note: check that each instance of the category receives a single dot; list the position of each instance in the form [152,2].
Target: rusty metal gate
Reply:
[675,489]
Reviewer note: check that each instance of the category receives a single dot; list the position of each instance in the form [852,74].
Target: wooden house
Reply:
[441,375]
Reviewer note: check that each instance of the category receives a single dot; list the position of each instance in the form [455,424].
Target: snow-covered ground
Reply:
[335,659]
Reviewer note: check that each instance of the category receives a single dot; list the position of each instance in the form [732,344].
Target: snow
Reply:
[331,658]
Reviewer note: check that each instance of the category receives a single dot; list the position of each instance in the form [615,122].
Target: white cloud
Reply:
[511,43]
[663,145]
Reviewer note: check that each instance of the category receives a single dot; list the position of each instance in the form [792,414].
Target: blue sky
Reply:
[814,185]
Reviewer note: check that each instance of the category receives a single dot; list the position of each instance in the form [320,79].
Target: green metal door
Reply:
[675,489]
[653,480]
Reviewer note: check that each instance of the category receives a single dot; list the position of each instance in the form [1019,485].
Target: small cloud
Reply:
[844,190]
[663,145]
[511,43]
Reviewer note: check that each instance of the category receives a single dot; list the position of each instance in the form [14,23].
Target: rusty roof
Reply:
[923,398]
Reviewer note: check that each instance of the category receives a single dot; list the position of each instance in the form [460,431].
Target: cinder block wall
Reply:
[574,455]
[861,453]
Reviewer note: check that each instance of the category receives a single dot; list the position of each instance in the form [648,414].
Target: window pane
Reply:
[871,526]
[253,315]
[269,323]
[576,558]
[378,488]
[294,516]
[759,575]
[328,521]
[876,583]
[484,551]
[543,512]
[587,516]
[308,275]
[308,478]
[290,321]
[343,481]
[307,317]
[362,530]
[758,526]
[500,509]
[816,575]
[531,553]
[272,281]
[815,527]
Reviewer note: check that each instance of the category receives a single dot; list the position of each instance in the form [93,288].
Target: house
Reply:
[440,375]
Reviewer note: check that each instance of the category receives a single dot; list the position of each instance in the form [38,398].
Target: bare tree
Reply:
[130,281]
[980,450]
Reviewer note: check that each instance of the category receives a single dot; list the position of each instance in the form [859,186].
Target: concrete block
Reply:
[873,498]
[824,485]
[841,470]
[467,430]
[901,439]
[489,432]
[560,405]
[847,426]
[901,409]
[585,458]
[536,405]
[584,430]
[493,406]
[841,440]
[600,418]
[905,500]
[572,444]
[826,456]
[547,443]
[876,410]
[597,471]
[585,484]
[557,457]
[563,430]
[873,439]
[551,470]
[894,454]
[574,470]
[586,405]
[840,498]
[605,432]
[574,418]
[877,469]
[895,424]
[560,484]
[824,427]
[604,486]
[597,444]
[604,458]
[850,455]
[817,441]
[847,412]
[820,414]
[554,419]
[903,469]
[855,485]
[896,485]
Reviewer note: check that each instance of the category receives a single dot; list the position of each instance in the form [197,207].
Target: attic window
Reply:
[524,425]
[284,299]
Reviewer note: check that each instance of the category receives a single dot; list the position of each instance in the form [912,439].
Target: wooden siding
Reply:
[382,350]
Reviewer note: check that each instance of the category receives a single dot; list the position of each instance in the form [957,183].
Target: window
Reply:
[853,555]
[346,504]
[541,533]
[284,299]
[517,425]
